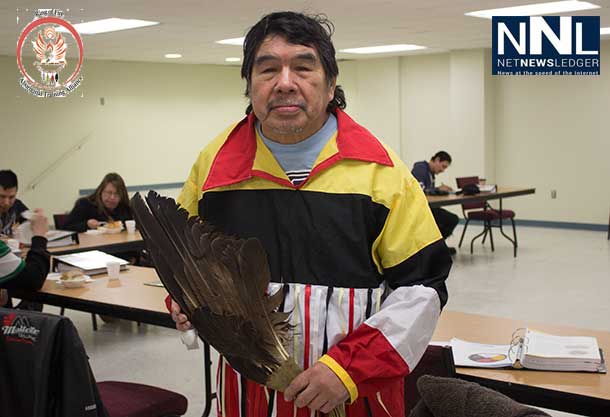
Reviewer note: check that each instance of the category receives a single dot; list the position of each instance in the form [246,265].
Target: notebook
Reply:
[90,262]
[534,350]
[57,238]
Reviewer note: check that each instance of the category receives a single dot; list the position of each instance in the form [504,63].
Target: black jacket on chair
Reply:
[44,369]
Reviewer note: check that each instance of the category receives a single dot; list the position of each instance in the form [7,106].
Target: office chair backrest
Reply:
[461,182]
[437,361]
[60,220]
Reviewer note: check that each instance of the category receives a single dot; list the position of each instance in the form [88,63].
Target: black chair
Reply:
[437,361]
[60,220]
[45,371]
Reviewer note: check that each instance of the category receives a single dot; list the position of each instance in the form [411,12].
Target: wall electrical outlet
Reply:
[553,194]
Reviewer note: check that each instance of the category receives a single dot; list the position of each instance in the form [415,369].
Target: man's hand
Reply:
[3,297]
[318,388]
[92,224]
[182,322]
[40,223]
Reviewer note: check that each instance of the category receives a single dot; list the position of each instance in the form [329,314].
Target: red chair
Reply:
[126,399]
[437,361]
[482,211]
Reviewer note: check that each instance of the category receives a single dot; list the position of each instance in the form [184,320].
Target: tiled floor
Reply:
[560,277]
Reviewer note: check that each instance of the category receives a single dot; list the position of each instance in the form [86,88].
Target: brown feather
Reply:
[220,283]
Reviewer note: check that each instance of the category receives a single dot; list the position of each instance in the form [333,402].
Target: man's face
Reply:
[439,166]
[288,90]
[7,198]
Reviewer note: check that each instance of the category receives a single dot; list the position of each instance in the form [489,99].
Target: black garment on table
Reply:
[84,210]
[45,369]
[445,220]
[12,216]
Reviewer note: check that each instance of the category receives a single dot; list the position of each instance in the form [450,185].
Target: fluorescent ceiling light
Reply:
[173,56]
[382,49]
[233,41]
[604,31]
[108,25]
[536,9]
[232,59]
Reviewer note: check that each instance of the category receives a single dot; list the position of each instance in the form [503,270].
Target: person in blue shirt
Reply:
[424,172]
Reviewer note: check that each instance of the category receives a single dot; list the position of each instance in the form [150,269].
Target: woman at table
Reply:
[109,202]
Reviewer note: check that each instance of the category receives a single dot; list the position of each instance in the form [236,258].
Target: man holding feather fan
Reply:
[350,241]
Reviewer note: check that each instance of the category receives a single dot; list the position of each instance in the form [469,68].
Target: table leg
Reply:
[514,242]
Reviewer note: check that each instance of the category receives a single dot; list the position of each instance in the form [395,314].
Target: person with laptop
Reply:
[425,172]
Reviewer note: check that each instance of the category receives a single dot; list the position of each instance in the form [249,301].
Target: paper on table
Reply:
[90,262]
[480,355]
[566,347]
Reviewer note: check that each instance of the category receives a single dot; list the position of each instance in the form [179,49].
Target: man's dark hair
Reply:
[8,179]
[442,156]
[298,29]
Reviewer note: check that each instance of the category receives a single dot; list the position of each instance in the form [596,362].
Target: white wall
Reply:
[444,107]
[425,97]
[546,132]
[155,120]
[373,98]
[550,133]
[554,133]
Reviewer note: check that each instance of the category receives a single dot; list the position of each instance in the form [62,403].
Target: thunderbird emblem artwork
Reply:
[51,66]
[50,50]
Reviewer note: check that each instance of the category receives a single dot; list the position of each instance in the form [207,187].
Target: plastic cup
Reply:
[113,269]
[13,244]
[24,233]
[131,226]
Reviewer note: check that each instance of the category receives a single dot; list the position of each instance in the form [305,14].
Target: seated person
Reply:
[109,202]
[31,272]
[10,206]
[424,172]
